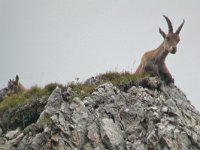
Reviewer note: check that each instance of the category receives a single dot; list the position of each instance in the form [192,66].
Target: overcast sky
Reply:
[58,40]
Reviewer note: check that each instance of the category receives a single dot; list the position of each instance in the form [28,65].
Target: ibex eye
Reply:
[167,38]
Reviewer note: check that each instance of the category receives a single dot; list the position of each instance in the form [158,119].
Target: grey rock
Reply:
[67,94]
[54,101]
[3,93]
[93,135]
[53,104]
[149,115]
[2,141]
[79,111]
[92,80]
[12,134]
[111,134]
[107,89]
[39,141]
[1,132]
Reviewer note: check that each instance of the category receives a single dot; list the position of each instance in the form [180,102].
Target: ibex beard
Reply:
[153,62]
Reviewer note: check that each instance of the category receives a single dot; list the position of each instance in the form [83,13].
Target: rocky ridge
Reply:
[148,115]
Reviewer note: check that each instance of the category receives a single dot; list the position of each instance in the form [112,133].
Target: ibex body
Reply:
[153,62]
[14,86]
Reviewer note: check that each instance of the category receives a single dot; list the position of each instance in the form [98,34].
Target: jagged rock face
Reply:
[156,118]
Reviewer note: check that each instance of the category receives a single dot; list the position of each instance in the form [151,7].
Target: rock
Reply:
[3,93]
[1,132]
[106,88]
[111,134]
[92,80]
[148,82]
[53,105]
[12,134]
[148,115]
[67,94]
[79,110]
[54,102]
[39,140]
[93,134]
[2,142]
[23,115]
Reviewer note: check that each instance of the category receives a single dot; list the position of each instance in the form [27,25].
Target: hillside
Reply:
[109,112]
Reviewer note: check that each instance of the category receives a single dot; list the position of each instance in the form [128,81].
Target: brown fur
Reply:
[153,62]
[14,86]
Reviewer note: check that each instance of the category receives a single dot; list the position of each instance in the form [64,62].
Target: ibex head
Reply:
[171,39]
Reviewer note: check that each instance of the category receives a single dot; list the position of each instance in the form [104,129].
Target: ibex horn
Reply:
[180,27]
[169,24]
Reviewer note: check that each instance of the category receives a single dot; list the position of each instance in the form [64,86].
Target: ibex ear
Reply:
[162,33]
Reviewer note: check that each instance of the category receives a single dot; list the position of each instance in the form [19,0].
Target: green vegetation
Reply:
[51,86]
[117,79]
[26,97]
[81,89]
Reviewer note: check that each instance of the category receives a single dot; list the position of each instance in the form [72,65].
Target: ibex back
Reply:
[153,62]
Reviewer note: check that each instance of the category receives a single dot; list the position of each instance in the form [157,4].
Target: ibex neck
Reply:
[161,53]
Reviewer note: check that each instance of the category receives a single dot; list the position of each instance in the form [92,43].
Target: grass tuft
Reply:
[51,86]
[82,89]
[116,78]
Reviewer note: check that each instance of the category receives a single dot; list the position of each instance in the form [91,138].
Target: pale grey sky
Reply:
[58,40]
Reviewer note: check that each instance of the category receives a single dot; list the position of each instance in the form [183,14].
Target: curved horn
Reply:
[169,24]
[180,27]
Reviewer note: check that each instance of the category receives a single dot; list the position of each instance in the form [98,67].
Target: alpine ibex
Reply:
[14,86]
[153,62]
